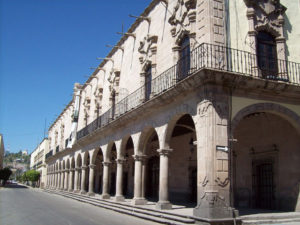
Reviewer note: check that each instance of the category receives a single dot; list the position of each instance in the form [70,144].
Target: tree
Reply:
[5,174]
[32,175]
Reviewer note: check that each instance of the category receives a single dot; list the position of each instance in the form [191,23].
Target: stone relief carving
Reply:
[268,15]
[203,107]
[182,16]
[222,183]
[114,80]
[205,181]
[98,93]
[87,105]
[147,48]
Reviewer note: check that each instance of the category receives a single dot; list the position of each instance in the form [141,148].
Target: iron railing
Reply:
[204,56]
[50,153]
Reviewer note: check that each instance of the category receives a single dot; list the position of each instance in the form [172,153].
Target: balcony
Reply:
[50,153]
[205,56]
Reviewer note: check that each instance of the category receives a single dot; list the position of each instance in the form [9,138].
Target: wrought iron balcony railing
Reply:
[204,56]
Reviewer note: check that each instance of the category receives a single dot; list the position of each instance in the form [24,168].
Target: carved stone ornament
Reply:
[203,107]
[183,14]
[267,14]
[222,183]
[114,80]
[98,93]
[147,48]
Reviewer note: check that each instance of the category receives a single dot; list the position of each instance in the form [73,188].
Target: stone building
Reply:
[37,161]
[197,104]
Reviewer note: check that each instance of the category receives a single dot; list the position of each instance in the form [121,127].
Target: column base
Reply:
[212,206]
[119,198]
[91,194]
[70,190]
[163,205]
[76,191]
[138,201]
[83,192]
[66,189]
[105,196]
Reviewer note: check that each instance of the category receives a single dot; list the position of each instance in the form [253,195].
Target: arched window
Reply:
[267,54]
[184,58]
[148,79]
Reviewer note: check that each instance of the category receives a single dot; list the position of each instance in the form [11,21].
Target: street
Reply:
[25,206]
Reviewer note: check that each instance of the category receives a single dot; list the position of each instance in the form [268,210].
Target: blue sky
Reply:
[45,47]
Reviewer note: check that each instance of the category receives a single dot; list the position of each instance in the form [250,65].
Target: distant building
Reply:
[1,151]
[25,152]
[37,160]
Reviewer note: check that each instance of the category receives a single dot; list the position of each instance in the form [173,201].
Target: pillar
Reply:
[66,179]
[91,180]
[163,202]
[83,177]
[62,176]
[105,194]
[71,177]
[213,178]
[138,198]
[119,181]
[76,180]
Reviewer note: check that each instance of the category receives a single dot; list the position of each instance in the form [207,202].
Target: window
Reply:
[267,55]
[148,79]
[113,104]
[184,58]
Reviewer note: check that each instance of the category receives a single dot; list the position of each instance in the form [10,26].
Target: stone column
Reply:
[213,178]
[91,180]
[58,180]
[163,202]
[83,177]
[62,178]
[76,180]
[138,198]
[105,194]
[119,181]
[66,179]
[71,177]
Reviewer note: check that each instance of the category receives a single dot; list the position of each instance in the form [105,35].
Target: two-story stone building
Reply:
[198,103]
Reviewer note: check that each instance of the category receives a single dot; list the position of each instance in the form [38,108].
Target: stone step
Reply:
[144,213]
[271,218]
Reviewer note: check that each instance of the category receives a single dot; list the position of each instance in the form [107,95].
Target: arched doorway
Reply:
[152,167]
[99,172]
[113,167]
[73,177]
[128,169]
[79,165]
[183,161]
[86,164]
[266,166]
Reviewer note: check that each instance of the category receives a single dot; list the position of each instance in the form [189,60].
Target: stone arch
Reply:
[171,125]
[78,161]
[85,160]
[63,164]
[94,154]
[123,146]
[72,163]
[107,153]
[145,135]
[273,108]
[68,163]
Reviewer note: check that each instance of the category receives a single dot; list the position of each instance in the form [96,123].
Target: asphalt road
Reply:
[24,206]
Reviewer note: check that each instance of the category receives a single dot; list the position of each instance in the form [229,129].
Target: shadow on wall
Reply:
[286,31]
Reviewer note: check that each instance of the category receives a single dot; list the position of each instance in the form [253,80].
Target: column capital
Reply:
[139,157]
[164,151]
[120,161]
[92,166]
[77,168]
[72,169]
[106,163]
[84,167]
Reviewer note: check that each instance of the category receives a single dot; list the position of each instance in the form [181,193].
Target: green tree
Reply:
[32,175]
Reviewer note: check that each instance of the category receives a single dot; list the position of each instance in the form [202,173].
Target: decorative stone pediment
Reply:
[183,15]
[147,48]
[267,15]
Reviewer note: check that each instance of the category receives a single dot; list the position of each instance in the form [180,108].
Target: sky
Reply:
[45,47]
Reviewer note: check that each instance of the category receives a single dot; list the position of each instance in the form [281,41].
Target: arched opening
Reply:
[266,166]
[128,174]
[73,177]
[86,163]
[183,161]
[267,54]
[184,62]
[98,172]
[151,179]
[79,165]
[113,170]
